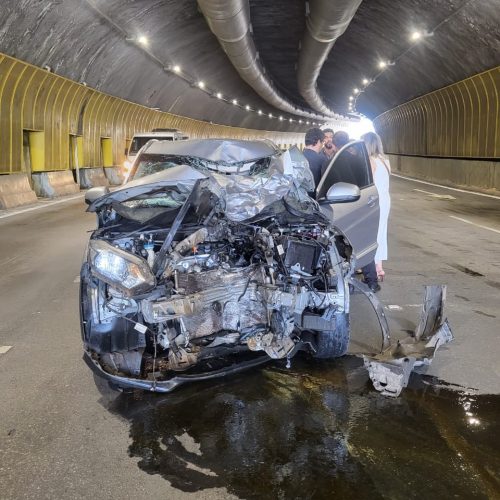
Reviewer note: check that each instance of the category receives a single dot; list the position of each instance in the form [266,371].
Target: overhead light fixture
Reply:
[235,102]
[201,84]
[143,40]
[270,115]
[416,35]
[351,97]
[307,123]
[290,120]
[177,69]
[218,95]
[300,121]
[366,81]
[382,64]
[247,107]
[260,111]
[281,118]
[356,91]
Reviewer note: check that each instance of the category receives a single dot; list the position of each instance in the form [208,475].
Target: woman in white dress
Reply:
[381,171]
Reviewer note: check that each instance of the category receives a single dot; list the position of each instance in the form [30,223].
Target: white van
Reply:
[141,139]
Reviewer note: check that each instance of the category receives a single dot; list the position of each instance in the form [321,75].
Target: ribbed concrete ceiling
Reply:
[86,40]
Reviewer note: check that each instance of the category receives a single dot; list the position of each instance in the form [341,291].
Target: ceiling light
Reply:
[281,118]
[260,111]
[201,84]
[270,115]
[235,102]
[300,121]
[351,97]
[177,68]
[219,95]
[382,64]
[366,81]
[307,123]
[247,107]
[416,35]
[356,91]
[290,120]
[143,40]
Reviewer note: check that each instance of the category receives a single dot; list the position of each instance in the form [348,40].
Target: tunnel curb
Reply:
[469,174]
[92,177]
[54,184]
[114,175]
[15,190]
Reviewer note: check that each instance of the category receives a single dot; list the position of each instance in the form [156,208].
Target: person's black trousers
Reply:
[370,273]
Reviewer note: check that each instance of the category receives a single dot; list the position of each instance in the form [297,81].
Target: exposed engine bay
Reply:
[223,287]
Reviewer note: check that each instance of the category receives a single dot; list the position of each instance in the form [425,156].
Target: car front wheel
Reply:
[334,343]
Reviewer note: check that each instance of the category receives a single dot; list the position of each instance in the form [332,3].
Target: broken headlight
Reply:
[122,270]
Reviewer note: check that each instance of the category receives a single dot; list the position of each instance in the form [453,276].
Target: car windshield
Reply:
[148,164]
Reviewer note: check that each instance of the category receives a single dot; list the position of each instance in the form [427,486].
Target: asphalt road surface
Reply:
[307,432]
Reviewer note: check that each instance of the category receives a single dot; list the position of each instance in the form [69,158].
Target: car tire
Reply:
[334,343]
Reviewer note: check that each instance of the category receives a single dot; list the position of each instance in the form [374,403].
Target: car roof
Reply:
[225,151]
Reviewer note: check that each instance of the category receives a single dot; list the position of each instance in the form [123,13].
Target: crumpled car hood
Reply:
[244,196]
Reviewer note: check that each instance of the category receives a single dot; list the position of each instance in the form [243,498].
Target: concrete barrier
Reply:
[92,177]
[474,175]
[15,190]
[52,184]
[114,175]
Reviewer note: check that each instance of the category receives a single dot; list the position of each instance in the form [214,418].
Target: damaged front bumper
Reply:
[121,382]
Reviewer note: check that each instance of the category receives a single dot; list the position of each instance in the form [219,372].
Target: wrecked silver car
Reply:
[214,257]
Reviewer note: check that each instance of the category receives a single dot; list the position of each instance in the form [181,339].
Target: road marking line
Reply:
[474,224]
[394,307]
[5,348]
[435,195]
[447,187]
[38,207]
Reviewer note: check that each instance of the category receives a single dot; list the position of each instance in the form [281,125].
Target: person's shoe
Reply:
[375,287]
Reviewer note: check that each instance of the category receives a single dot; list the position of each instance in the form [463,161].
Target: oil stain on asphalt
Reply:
[317,431]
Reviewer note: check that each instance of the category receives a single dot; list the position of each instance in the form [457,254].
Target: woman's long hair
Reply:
[373,144]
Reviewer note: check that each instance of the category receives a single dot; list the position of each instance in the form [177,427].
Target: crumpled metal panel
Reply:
[244,196]
[391,369]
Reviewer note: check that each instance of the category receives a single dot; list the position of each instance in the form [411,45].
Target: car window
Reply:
[138,142]
[350,165]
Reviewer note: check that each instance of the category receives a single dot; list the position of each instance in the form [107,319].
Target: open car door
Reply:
[358,220]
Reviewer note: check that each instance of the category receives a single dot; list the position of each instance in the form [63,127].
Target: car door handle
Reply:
[372,201]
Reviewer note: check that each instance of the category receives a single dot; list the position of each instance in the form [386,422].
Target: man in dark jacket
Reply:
[314,143]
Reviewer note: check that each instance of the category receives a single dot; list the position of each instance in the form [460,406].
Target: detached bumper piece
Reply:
[390,370]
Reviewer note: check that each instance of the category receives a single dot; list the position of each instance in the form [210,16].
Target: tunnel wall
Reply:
[52,114]
[442,135]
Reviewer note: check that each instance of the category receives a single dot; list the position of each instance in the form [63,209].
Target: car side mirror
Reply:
[94,193]
[342,192]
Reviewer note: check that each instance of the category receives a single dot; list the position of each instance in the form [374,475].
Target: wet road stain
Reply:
[484,314]
[465,270]
[462,297]
[317,431]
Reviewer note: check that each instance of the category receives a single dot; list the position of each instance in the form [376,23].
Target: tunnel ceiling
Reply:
[97,42]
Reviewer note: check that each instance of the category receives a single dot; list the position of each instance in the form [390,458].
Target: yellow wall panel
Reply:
[461,120]
[37,151]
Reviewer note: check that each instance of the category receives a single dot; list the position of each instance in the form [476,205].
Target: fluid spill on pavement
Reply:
[317,431]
